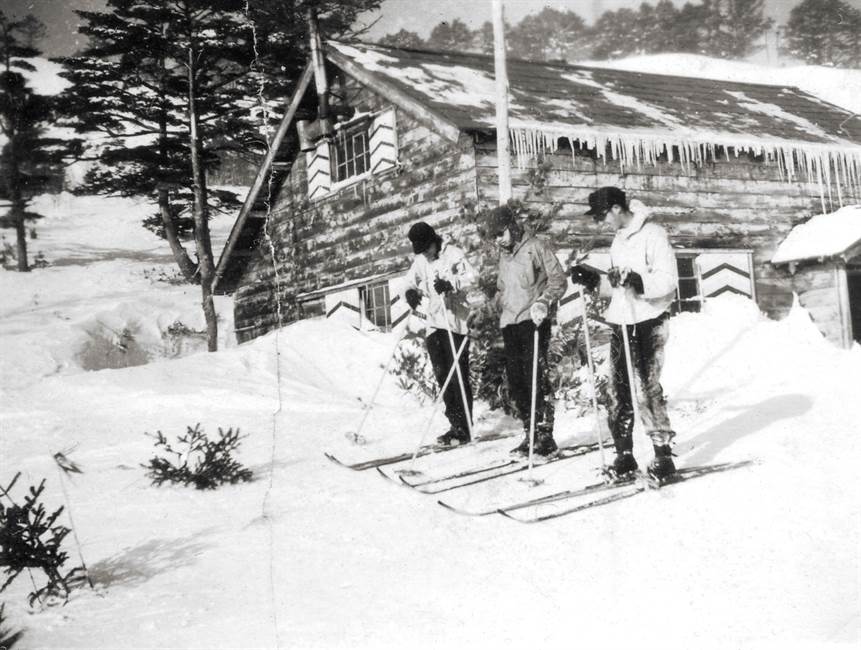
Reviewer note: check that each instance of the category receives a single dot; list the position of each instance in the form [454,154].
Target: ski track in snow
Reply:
[763,556]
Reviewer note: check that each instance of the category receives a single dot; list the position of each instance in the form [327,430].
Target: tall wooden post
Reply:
[503,145]
[319,65]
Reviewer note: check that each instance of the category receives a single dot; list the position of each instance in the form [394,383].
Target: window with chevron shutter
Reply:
[383,142]
[319,170]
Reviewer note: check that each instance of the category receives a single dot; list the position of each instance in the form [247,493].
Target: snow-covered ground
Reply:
[107,275]
[312,555]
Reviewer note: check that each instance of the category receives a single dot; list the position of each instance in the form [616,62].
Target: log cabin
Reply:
[385,137]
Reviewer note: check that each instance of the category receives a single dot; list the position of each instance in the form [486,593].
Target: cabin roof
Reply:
[824,236]
[635,116]
[571,98]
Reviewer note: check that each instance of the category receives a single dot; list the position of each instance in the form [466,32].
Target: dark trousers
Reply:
[442,358]
[518,341]
[647,353]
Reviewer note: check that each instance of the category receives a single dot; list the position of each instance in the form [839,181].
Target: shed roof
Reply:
[825,236]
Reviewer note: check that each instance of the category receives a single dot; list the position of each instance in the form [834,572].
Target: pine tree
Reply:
[452,35]
[732,28]
[824,32]
[27,155]
[549,35]
[402,38]
[175,84]
[615,34]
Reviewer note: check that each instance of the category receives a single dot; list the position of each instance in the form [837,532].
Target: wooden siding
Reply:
[724,204]
[357,231]
[818,292]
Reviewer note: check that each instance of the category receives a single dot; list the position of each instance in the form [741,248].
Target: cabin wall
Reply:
[358,231]
[736,204]
[818,288]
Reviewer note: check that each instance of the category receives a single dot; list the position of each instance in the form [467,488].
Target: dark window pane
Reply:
[688,288]
[685,266]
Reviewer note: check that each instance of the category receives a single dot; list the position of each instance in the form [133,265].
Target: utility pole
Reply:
[503,145]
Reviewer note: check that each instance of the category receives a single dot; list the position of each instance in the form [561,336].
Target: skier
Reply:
[441,273]
[530,283]
[642,284]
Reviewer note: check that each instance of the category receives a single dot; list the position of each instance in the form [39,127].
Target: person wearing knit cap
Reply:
[439,279]
[530,283]
[641,284]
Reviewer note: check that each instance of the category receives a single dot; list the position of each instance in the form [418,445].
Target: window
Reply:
[350,155]
[688,294]
[374,299]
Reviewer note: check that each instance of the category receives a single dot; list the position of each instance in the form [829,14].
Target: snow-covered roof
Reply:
[638,116]
[822,237]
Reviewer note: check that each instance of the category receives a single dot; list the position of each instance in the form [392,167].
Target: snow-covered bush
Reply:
[413,370]
[31,538]
[8,638]
[198,460]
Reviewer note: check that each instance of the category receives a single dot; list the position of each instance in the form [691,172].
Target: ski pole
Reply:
[534,393]
[466,409]
[436,401]
[635,406]
[591,369]
[376,392]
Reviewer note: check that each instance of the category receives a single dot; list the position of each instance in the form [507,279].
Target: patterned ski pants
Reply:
[647,342]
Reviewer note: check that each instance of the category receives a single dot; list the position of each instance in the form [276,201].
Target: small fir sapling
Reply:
[198,460]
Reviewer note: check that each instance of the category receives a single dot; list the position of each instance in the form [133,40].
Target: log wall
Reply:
[724,204]
[358,231]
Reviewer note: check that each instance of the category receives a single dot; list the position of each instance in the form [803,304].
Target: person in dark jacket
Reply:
[530,283]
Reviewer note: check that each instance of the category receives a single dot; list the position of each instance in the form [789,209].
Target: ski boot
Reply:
[624,465]
[523,448]
[453,437]
[662,468]
[544,443]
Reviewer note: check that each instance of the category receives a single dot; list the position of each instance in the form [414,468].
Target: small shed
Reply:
[823,256]
[390,136]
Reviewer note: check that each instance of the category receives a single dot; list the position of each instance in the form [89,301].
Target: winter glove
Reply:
[586,277]
[538,312]
[635,281]
[413,298]
[442,286]
[614,275]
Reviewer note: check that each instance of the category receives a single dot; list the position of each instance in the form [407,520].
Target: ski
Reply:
[556,496]
[563,453]
[450,477]
[682,475]
[423,451]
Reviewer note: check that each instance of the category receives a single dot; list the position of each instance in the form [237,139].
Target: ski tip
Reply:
[332,458]
[505,514]
[446,506]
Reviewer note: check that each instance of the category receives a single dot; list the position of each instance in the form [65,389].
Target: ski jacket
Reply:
[528,274]
[643,247]
[451,264]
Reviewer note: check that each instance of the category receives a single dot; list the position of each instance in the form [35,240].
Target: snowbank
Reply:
[312,555]
[110,296]
[823,236]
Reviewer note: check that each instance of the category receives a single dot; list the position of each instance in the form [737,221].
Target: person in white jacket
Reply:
[641,284]
[442,275]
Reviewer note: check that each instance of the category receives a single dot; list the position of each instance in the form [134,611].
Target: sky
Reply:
[415,15]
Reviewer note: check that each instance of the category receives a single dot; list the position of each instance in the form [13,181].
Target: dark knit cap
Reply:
[498,220]
[422,236]
[602,200]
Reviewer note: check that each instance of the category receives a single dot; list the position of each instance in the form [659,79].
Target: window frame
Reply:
[343,136]
[375,300]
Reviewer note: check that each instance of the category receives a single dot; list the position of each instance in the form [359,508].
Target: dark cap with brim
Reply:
[602,200]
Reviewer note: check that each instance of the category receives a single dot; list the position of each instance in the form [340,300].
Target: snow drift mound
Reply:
[110,296]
